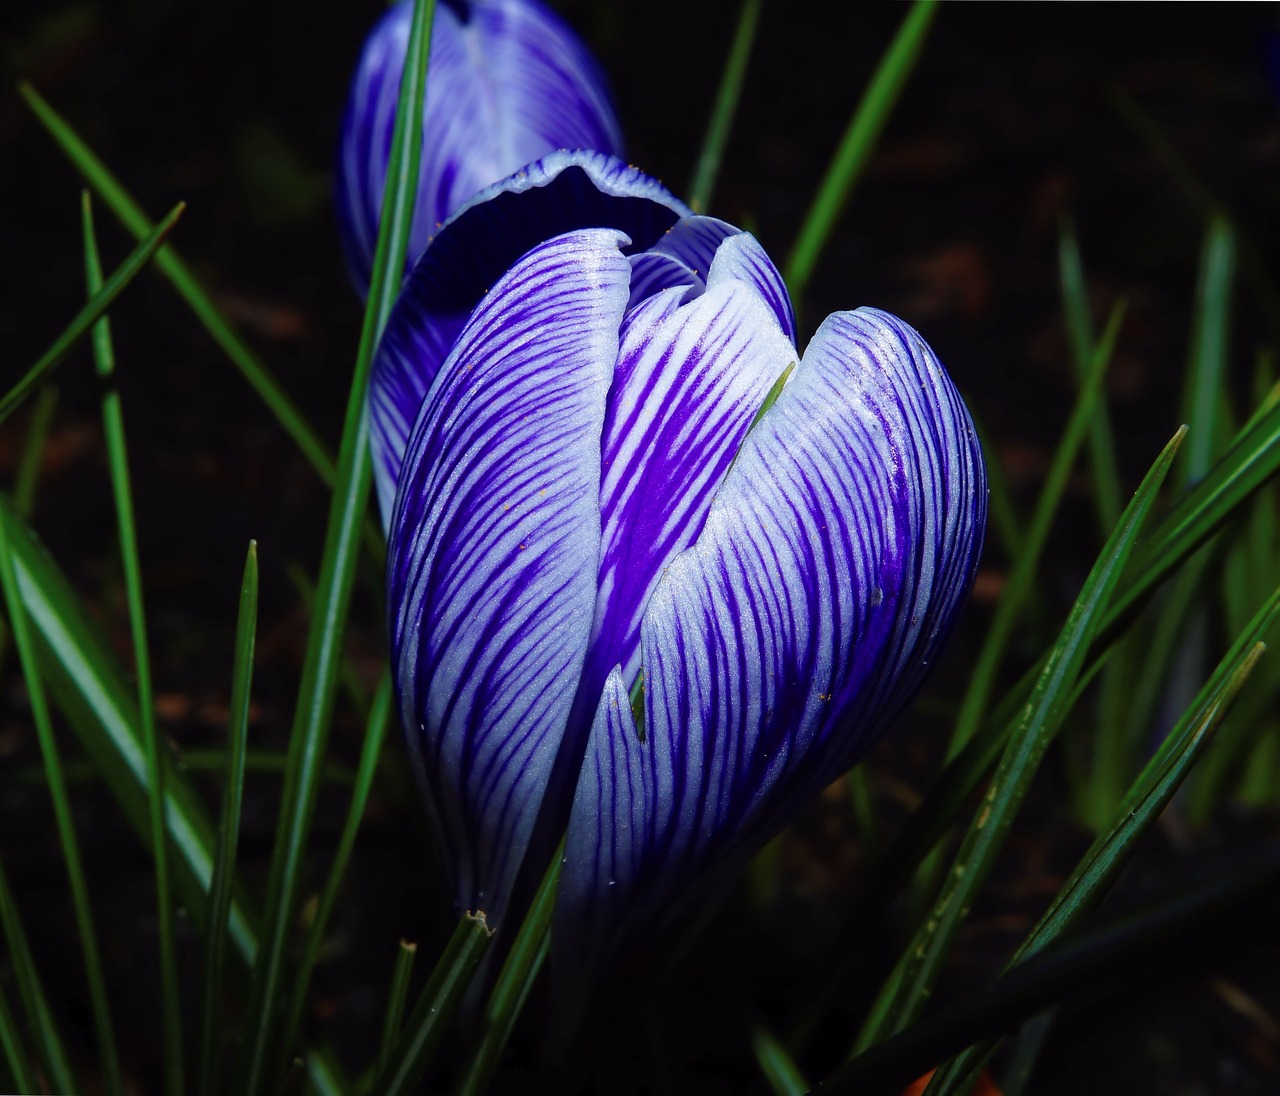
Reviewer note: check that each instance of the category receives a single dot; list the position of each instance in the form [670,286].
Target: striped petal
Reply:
[495,547]
[560,193]
[777,649]
[507,82]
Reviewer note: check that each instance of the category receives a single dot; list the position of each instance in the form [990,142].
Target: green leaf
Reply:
[130,214]
[519,972]
[122,492]
[90,690]
[1206,368]
[395,1005]
[19,1077]
[411,1055]
[216,929]
[100,1007]
[780,1072]
[310,734]
[726,106]
[857,144]
[90,313]
[906,991]
[24,488]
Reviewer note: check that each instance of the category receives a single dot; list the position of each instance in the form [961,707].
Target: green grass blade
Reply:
[703,182]
[1107,495]
[905,992]
[394,1021]
[40,1021]
[411,1055]
[90,313]
[519,972]
[24,486]
[857,144]
[91,691]
[1098,869]
[375,734]
[1206,368]
[309,737]
[99,1004]
[130,214]
[19,1077]
[229,825]
[1079,965]
[122,492]
[781,1073]
[1021,579]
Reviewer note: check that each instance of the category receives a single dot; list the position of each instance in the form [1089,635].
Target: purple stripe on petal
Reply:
[776,650]
[507,84]
[560,193]
[494,549]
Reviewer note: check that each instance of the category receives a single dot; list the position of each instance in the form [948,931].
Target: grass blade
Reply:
[519,972]
[99,1004]
[229,826]
[19,1078]
[122,492]
[1206,369]
[1107,497]
[24,486]
[91,692]
[90,313]
[49,1046]
[780,1072]
[130,214]
[703,182]
[857,144]
[395,1005]
[907,989]
[1080,965]
[411,1055]
[309,737]
[375,733]
[1022,577]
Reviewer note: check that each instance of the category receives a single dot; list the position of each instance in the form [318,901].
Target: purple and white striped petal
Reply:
[560,193]
[507,82]
[495,547]
[776,650]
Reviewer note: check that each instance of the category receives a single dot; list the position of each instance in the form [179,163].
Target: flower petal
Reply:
[495,548]
[559,193]
[776,650]
[508,82]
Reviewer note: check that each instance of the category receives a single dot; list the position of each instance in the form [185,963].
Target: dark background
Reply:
[1009,123]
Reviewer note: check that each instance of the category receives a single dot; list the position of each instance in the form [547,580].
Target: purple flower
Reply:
[590,519]
[507,82]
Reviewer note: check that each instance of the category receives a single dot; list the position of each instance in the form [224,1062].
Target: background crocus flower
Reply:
[590,510]
[508,82]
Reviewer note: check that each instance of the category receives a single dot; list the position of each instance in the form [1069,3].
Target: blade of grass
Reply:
[781,1073]
[1080,965]
[229,825]
[703,182]
[99,1004]
[519,972]
[24,485]
[90,313]
[122,492]
[1206,368]
[1132,817]
[375,734]
[394,1021]
[857,144]
[90,690]
[49,1046]
[19,1077]
[130,214]
[1107,496]
[411,1055]
[309,737]
[906,990]
[1022,576]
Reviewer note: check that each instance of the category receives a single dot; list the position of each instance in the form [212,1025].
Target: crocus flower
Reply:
[654,576]
[507,82]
